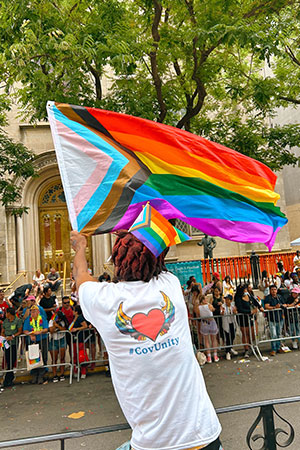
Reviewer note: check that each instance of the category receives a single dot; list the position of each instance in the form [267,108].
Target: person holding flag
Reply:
[144,325]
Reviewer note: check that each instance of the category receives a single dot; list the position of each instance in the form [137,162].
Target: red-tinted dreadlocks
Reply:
[133,261]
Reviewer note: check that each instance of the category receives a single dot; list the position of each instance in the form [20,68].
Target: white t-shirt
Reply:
[38,279]
[156,376]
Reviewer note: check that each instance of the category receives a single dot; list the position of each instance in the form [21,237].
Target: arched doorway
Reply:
[55,230]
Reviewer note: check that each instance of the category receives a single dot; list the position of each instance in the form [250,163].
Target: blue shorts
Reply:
[56,344]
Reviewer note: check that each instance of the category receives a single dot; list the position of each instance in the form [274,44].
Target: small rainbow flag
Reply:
[4,343]
[156,232]
[71,326]
[54,315]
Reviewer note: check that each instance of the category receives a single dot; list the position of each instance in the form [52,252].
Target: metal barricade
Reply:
[14,356]
[282,325]
[85,351]
[225,332]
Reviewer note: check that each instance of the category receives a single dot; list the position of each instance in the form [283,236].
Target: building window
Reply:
[188,229]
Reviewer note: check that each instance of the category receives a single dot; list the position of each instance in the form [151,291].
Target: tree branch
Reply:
[153,59]
[290,100]
[292,55]
[97,77]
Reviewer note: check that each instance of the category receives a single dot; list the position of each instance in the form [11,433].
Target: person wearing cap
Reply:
[228,310]
[292,311]
[28,303]
[217,282]
[144,324]
[36,327]
[3,307]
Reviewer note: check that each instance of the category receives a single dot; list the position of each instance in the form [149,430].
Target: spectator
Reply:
[295,280]
[3,306]
[193,313]
[228,288]
[287,280]
[273,301]
[68,311]
[48,302]
[188,292]
[104,277]
[208,328]
[11,328]
[280,267]
[278,280]
[53,279]
[28,303]
[36,327]
[247,307]
[78,338]
[217,303]
[296,261]
[19,294]
[265,283]
[217,282]
[38,280]
[228,310]
[58,344]
[291,306]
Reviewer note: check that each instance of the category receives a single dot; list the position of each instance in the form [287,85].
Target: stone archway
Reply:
[54,230]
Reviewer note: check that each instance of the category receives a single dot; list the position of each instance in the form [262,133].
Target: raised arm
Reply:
[80,266]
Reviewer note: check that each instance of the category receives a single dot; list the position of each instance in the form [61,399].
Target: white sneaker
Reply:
[83,376]
[294,345]
[228,356]
[234,352]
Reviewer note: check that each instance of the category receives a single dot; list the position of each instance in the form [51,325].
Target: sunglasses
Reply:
[66,303]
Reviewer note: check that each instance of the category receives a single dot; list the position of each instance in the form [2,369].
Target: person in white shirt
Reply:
[144,325]
[38,281]
[296,261]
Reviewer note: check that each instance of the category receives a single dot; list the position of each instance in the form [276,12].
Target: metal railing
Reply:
[267,415]
[14,358]
[275,327]
[232,332]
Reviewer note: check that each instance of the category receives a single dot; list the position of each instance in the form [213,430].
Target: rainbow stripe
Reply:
[71,326]
[111,164]
[156,232]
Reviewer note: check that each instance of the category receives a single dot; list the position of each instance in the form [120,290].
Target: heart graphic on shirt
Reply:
[149,324]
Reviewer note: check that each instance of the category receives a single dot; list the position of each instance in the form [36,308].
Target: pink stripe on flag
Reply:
[102,160]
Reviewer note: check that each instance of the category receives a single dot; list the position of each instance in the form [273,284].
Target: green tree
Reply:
[198,65]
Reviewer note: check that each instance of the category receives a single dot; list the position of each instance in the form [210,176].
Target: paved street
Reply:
[28,410]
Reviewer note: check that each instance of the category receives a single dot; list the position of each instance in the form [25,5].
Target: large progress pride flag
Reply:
[112,164]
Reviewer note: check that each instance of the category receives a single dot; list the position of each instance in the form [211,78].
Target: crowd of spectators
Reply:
[220,310]
[217,311]
[33,314]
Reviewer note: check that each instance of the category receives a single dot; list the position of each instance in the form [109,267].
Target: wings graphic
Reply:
[124,322]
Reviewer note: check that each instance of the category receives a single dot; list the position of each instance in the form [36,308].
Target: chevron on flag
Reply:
[156,232]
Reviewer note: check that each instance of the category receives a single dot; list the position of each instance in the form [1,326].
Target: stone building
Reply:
[40,239]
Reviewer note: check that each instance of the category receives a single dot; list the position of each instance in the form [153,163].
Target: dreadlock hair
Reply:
[133,261]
